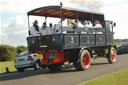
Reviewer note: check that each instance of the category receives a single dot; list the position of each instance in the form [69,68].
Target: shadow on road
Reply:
[13,76]
[99,63]
[30,73]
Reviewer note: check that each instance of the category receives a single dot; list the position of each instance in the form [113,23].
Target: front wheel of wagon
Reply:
[112,55]
[84,61]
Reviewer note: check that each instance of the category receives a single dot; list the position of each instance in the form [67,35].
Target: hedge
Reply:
[7,53]
[21,48]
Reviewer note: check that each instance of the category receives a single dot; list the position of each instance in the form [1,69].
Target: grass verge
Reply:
[9,64]
[116,78]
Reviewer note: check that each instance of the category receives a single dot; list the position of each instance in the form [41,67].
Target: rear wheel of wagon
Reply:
[112,55]
[84,61]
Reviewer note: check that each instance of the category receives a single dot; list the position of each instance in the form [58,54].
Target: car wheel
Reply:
[36,66]
[20,69]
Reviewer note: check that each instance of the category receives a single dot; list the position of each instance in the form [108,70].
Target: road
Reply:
[68,76]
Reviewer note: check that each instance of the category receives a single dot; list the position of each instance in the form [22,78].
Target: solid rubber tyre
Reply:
[84,61]
[112,55]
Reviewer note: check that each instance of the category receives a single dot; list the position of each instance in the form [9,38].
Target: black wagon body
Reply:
[78,45]
[73,40]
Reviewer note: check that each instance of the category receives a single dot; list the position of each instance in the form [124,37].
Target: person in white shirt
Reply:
[44,29]
[50,29]
[97,24]
[69,23]
[34,29]
[79,24]
[87,24]
[90,24]
[54,29]
[58,26]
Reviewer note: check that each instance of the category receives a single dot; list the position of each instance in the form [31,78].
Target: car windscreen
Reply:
[24,53]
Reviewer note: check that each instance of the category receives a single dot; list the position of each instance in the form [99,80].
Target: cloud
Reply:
[3,38]
[15,24]
[118,14]
[23,6]
[92,5]
[15,31]
[12,5]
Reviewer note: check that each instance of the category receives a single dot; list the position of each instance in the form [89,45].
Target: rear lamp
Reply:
[14,60]
[29,57]
[34,55]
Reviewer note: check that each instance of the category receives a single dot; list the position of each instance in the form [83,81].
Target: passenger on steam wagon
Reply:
[58,26]
[44,29]
[97,24]
[35,29]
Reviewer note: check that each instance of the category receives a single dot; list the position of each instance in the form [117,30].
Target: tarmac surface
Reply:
[68,75]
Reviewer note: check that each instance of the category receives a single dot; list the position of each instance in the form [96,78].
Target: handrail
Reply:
[83,29]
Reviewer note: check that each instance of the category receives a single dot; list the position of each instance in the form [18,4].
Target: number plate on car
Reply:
[21,59]
[39,56]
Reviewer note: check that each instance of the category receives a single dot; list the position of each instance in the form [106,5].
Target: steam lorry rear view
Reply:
[77,45]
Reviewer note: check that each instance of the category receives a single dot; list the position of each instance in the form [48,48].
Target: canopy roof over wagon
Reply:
[58,12]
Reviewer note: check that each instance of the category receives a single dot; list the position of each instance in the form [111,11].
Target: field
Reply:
[9,64]
[116,78]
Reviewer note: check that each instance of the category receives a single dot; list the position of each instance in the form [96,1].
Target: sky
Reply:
[14,24]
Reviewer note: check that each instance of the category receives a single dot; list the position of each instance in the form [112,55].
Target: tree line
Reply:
[118,41]
[8,53]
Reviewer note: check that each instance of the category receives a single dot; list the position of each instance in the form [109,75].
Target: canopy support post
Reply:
[61,15]
[92,18]
[29,26]
[46,20]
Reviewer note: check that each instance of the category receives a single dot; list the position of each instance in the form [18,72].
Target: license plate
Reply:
[39,56]
[21,59]
[51,56]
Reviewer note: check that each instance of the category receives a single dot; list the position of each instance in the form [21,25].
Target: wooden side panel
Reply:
[100,40]
[71,41]
[87,40]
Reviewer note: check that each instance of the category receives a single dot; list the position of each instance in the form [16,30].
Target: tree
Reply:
[21,49]
[7,53]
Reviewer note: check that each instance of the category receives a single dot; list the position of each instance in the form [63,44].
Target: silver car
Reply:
[26,60]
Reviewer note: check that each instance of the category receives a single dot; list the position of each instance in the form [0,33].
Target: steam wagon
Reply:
[77,45]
